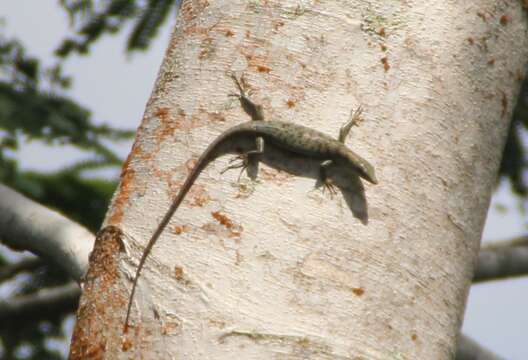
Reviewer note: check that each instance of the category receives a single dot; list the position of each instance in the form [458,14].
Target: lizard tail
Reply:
[223,144]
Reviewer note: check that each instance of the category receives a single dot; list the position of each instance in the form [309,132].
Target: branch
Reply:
[41,304]
[469,349]
[27,225]
[517,241]
[499,261]
[28,264]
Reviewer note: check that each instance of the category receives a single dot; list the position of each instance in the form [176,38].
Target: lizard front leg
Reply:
[250,159]
[323,179]
[254,110]
[355,119]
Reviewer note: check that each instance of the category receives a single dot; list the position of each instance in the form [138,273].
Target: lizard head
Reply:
[362,167]
[367,172]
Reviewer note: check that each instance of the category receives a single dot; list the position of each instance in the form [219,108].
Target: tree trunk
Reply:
[273,268]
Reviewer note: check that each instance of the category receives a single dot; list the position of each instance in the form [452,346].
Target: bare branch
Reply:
[517,241]
[469,349]
[27,225]
[501,261]
[27,264]
[57,300]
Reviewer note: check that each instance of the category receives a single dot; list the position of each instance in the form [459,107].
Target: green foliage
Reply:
[30,110]
[98,18]
[34,106]
[514,163]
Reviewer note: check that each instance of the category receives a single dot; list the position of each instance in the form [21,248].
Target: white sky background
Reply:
[116,87]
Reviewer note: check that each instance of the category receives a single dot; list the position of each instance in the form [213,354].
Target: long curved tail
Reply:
[223,144]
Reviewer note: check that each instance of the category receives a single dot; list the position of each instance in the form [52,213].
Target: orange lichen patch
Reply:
[189,10]
[290,103]
[257,61]
[126,183]
[207,48]
[358,291]
[179,275]
[414,337]
[234,230]
[263,69]
[277,24]
[163,113]
[491,62]
[96,314]
[504,20]
[178,272]
[190,164]
[229,33]
[222,219]
[180,229]
[200,196]
[94,352]
[200,30]
[103,262]
[385,62]
[126,344]
[168,125]
[123,195]
[381,32]
[169,327]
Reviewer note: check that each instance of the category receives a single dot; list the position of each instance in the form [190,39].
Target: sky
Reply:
[116,87]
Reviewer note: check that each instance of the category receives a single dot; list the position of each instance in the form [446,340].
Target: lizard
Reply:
[289,138]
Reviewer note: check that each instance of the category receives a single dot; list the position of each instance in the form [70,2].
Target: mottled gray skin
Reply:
[249,140]
[302,140]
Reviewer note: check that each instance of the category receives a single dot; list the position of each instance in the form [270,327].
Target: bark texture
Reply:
[274,269]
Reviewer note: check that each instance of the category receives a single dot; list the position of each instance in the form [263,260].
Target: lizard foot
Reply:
[328,185]
[255,111]
[241,164]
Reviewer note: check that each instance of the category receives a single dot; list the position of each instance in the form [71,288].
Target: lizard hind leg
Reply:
[241,164]
[248,160]
[354,120]
[324,180]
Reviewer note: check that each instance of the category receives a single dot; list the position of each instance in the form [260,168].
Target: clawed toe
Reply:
[242,164]
[327,185]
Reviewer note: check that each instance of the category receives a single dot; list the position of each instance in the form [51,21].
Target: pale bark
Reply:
[274,269]
[27,225]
